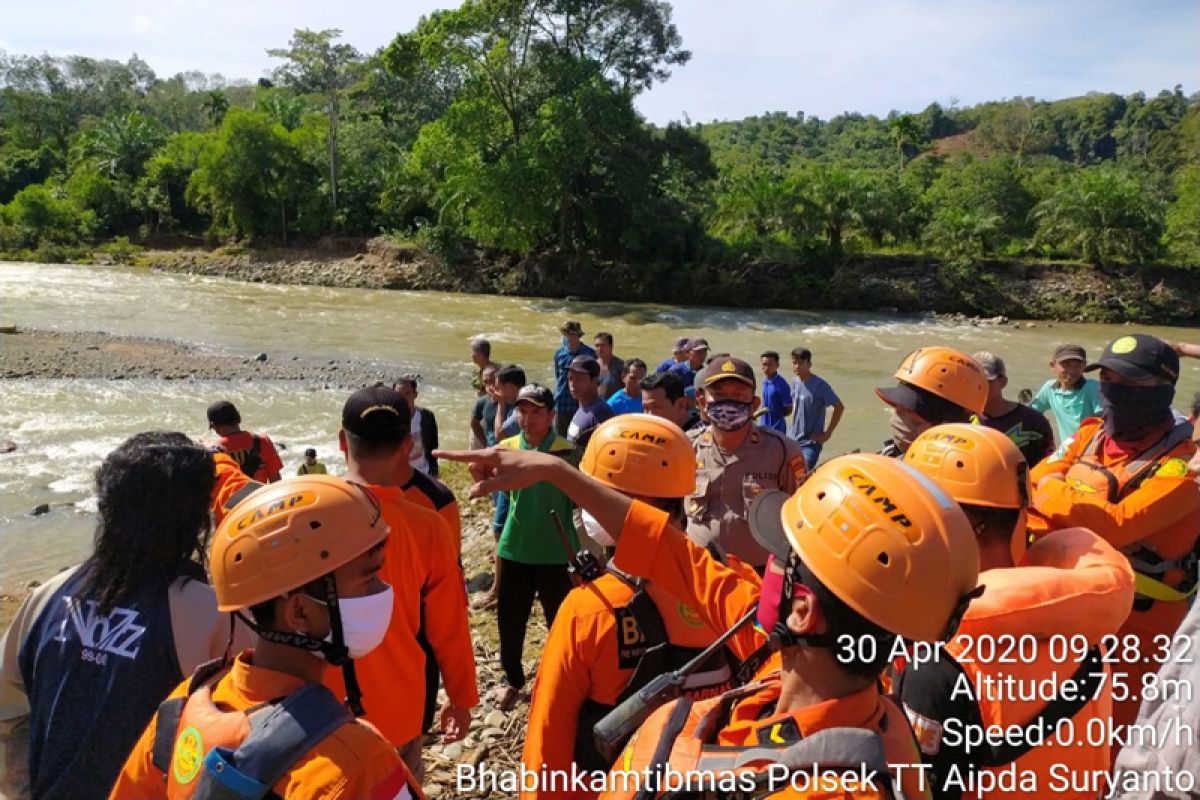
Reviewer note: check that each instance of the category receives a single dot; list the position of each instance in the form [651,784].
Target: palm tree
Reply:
[906,133]
[121,145]
[217,105]
[831,197]
[1101,213]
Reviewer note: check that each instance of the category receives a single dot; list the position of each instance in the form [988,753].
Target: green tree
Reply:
[907,136]
[249,177]
[1100,214]
[830,198]
[161,194]
[216,105]
[964,234]
[316,64]
[121,145]
[1183,217]
[754,203]
[37,215]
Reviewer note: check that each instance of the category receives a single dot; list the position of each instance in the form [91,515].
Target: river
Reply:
[63,428]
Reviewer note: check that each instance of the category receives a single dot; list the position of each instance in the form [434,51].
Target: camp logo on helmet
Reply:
[876,496]
[951,438]
[294,501]
[639,436]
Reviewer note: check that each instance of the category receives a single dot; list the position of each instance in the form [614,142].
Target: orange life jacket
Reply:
[679,742]
[207,753]
[1167,580]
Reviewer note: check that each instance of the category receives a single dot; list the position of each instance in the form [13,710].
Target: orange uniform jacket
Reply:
[581,661]
[433,494]
[1161,515]
[1071,583]
[650,547]
[421,565]
[352,762]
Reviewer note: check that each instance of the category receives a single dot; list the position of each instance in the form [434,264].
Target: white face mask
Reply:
[365,621]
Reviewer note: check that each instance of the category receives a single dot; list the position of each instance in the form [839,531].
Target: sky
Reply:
[822,57]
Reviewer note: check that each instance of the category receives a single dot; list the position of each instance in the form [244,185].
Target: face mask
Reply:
[729,415]
[767,613]
[905,429]
[768,602]
[1131,411]
[365,621]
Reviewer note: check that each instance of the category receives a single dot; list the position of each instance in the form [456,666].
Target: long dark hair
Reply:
[154,494]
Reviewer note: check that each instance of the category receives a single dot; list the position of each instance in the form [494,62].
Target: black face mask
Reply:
[1131,412]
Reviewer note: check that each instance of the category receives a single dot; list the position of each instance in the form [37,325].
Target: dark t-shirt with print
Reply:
[1028,429]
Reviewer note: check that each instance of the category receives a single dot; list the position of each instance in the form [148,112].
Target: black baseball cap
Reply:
[585,363]
[727,369]
[537,394]
[1139,356]
[377,414]
[925,404]
[223,412]
[311,451]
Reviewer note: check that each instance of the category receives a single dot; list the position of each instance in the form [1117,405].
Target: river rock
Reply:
[7,446]
[39,510]
[488,734]
[8,329]
[261,357]
[495,719]
[453,751]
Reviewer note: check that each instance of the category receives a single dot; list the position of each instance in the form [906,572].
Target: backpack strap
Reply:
[280,735]
[166,722]
[843,747]
[662,750]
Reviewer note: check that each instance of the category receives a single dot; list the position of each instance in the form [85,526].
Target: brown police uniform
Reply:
[726,482]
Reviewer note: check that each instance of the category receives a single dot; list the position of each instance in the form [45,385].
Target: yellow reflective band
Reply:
[1146,586]
[775,737]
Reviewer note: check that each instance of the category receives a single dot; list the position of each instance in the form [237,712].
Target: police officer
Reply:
[735,461]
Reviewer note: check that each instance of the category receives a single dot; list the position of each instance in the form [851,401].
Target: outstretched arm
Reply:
[503,469]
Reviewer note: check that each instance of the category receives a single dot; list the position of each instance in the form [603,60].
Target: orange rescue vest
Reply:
[678,744]
[1168,580]
[207,753]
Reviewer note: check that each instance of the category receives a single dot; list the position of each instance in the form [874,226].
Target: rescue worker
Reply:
[735,461]
[935,385]
[615,632]
[254,452]
[868,550]
[302,557]
[1125,476]
[1070,587]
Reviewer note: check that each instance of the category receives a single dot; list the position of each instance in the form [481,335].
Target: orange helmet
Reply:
[978,466]
[948,373]
[883,538]
[290,533]
[640,454]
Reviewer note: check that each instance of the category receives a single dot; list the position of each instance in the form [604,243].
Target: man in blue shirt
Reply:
[628,399]
[697,350]
[811,395]
[776,396]
[584,381]
[564,403]
[679,355]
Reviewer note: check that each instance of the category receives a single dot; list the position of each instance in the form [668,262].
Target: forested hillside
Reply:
[485,130]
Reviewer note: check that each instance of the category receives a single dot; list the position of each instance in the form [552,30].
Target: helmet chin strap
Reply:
[782,635]
[335,651]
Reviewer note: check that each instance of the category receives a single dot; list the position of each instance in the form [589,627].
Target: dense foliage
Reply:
[510,125]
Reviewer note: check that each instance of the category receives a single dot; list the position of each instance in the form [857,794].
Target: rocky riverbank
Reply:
[1148,294]
[29,353]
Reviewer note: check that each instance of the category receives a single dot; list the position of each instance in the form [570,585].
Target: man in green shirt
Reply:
[311,466]
[1072,397]
[531,553]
